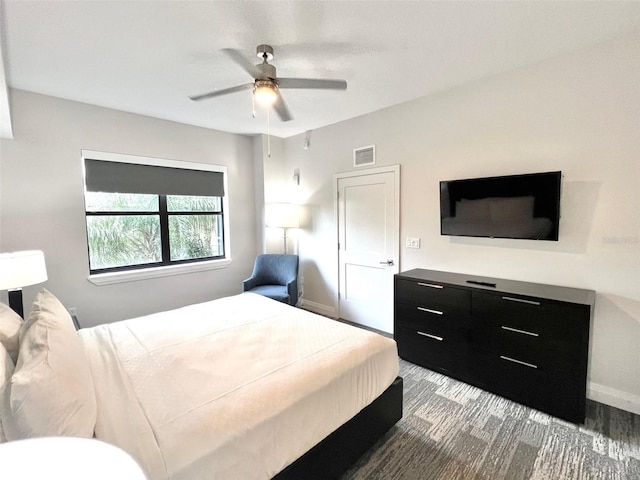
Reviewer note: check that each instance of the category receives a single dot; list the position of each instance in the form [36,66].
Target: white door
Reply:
[368,232]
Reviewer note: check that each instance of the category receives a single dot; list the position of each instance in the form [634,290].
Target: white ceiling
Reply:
[147,57]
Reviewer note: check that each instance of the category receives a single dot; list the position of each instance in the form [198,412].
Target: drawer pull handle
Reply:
[520,300]
[430,336]
[431,285]
[531,365]
[511,329]
[428,310]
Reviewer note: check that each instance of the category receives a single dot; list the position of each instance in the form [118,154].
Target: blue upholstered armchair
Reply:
[274,276]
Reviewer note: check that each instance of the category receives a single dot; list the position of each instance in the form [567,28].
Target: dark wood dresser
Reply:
[524,341]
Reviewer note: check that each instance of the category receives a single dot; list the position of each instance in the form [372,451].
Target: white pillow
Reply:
[511,209]
[51,392]
[6,370]
[10,323]
[473,210]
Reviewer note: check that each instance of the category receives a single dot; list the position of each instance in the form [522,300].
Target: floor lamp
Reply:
[21,269]
[283,215]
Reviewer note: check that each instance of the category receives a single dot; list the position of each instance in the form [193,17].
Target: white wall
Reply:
[42,203]
[259,184]
[579,114]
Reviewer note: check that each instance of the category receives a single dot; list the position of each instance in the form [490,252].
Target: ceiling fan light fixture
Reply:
[267,85]
[265,92]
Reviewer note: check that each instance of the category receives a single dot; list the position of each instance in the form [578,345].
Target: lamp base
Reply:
[15,301]
[284,236]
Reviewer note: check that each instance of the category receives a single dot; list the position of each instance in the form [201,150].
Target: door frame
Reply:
[395,169]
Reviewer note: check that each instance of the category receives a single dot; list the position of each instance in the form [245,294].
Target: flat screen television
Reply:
[514,206]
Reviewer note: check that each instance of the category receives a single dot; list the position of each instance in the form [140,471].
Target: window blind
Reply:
[119,177]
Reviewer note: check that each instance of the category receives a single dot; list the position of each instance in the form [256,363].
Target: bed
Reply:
[241,387]
[527,228]
[501,217]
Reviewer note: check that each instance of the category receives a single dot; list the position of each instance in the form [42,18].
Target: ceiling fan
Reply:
[266,85]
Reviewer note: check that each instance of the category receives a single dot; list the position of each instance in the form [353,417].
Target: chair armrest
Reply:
[249,283]
[292,290]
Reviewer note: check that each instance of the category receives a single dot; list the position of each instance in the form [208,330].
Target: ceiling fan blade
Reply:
[217,93]
[312,83]
[281,109]
[238,57]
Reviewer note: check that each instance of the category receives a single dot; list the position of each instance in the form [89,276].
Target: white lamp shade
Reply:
[283,215]
[20,269]
[67,457]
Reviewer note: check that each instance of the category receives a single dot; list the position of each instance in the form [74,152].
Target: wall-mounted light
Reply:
[296,177]
[306,143]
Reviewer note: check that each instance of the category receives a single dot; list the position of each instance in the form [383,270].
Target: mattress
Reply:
[531,228]
[238,387]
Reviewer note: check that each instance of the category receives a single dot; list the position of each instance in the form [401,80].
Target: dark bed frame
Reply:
[334,455]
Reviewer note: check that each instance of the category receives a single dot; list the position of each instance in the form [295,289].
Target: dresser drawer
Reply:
[440,322]
[433,351]
[556,394]
[433,296]
[544,351]
[528,342]
[550,319]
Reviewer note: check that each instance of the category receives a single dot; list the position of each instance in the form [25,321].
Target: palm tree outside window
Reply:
[145,216]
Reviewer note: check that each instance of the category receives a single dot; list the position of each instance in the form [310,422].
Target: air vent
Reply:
[364,156]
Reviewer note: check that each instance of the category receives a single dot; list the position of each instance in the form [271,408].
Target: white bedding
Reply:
[239,387]
[531,228]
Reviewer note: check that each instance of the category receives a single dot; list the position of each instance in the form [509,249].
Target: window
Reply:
[144,213]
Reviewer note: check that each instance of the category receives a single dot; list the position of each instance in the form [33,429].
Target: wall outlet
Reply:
[412,242]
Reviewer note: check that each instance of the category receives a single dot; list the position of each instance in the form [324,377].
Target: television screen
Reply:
[515,206]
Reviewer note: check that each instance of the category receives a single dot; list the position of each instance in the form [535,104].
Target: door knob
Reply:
[387,262]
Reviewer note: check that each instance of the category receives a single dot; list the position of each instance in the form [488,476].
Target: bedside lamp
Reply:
[67,457]
[283,215]
[21,269]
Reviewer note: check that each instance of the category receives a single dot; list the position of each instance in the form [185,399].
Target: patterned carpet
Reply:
[452,431]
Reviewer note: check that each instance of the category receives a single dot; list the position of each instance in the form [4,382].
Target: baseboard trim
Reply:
[318,308]
[613,397]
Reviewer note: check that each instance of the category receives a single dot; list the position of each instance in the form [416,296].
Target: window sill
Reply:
[156,272]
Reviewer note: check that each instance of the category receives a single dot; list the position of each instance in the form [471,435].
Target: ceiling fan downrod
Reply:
[265,52]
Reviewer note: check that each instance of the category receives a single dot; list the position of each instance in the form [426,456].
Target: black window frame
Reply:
[164,216]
